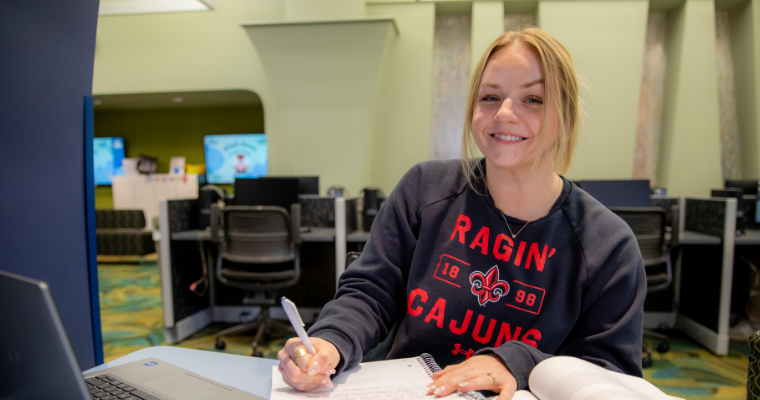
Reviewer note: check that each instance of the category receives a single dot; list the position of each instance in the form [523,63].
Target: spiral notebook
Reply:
[404,379]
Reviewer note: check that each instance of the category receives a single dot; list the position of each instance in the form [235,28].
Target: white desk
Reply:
[251,374]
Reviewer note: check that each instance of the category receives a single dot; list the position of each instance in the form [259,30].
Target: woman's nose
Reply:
[506,111]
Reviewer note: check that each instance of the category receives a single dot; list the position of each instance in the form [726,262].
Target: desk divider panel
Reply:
[705,272]
[319,212]
[185,260]
[705,216]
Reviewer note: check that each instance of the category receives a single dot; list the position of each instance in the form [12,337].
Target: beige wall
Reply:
[401,122]
[487,25]
[690,163]
[606,40]
[209,51]
[745,50]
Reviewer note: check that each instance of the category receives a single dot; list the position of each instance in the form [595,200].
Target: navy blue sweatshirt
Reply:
[441,262]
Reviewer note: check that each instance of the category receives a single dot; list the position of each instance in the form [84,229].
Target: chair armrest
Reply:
[215,219]
[295,223]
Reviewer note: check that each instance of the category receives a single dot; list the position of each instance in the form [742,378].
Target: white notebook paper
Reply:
[387,380]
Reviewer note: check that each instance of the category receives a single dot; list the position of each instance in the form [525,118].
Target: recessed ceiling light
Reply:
[177,99]
[97,102]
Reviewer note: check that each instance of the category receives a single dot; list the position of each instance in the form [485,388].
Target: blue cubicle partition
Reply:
[48,50]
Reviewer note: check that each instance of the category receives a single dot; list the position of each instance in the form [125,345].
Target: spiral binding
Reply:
[430,366]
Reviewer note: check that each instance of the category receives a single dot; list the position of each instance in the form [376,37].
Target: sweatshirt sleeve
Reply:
[367,302]
[608,331]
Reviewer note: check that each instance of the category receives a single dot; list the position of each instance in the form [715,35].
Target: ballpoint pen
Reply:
[297,322]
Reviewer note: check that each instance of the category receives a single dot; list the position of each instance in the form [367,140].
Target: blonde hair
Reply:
[560,97]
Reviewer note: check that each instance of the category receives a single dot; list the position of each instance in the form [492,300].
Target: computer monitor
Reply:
[235,156]
[623,193]
[747,186]
[107,155]
[280,192]
[306,184]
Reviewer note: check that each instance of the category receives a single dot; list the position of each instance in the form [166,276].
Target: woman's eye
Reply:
[490,98]
[534,100]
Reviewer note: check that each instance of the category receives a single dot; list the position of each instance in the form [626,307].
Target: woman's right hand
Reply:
[312,371]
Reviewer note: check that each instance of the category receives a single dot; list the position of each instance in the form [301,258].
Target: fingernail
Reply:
[324,382]
[431,388]
[439,390]
[464,384]
[332,372]
[315,367]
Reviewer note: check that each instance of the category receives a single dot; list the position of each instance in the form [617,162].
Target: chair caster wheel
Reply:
[257,353]
[220,345]
[663,347]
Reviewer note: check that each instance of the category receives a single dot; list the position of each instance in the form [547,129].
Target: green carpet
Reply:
[132,318]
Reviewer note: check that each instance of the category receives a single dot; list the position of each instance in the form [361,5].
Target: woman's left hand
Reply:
[473,374]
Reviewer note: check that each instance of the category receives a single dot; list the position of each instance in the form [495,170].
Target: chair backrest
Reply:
[351,256]
[258,234]
[648,225]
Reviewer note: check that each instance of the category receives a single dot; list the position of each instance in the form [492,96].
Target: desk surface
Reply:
[251,374]
[358,236]
[313,235]
[750,237]
[689,237]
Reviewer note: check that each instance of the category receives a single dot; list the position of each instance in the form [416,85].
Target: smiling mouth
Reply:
[508,138]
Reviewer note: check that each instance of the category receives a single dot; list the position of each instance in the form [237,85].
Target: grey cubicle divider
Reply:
[183,314]
[705,271]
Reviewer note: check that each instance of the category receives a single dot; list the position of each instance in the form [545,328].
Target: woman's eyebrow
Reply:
[524,85]
[488,84]
[531,83]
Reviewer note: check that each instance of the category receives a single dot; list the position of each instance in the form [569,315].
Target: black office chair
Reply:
[648,225]
[262,243]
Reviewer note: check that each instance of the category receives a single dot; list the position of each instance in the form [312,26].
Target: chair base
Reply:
[262,324]
[662,347]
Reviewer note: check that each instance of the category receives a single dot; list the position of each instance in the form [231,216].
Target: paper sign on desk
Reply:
[404,379]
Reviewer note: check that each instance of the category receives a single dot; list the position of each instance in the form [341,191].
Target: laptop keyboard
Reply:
[108,387]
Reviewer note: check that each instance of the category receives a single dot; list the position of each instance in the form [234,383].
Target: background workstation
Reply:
[671,96]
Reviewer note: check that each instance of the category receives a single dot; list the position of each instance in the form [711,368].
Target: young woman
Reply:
[493,264]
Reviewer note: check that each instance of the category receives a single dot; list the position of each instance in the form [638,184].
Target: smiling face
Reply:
[508,113]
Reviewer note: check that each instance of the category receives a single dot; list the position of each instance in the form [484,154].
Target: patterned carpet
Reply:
[130,301]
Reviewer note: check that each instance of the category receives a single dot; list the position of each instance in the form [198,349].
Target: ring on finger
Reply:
[494,380]
[297,354]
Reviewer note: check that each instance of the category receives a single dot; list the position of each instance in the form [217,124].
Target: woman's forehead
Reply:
[512,64]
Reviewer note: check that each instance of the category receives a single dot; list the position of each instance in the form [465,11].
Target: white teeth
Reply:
[508,138]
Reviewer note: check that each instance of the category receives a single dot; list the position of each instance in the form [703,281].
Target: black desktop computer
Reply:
[622,193]
[750,189]
[373,200]
[208,195]
[306,184]
[268,191]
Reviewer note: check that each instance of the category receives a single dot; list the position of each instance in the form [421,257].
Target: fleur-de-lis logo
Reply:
[488,287]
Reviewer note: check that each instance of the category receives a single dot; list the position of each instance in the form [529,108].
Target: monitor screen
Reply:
[306,184]
[748,186]
[235,156]
[107,153]
[622,193]
[280,192]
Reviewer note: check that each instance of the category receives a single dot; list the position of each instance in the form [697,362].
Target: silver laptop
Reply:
[36,360]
